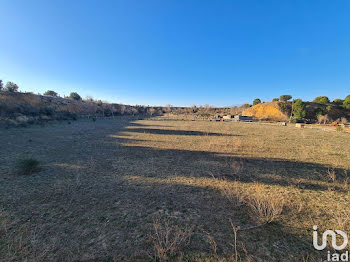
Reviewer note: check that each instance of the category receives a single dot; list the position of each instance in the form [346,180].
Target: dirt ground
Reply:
[103,184]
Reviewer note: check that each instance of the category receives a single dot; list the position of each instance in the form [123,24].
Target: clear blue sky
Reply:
[180,52]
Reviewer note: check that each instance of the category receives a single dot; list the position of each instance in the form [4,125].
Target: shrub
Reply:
[339,128]
[299,110]
[323,119]
[50,93]
[285,98]
[27,166]
[321,100]
[265,210]
[11,87]
[256,101]
[275,99]
[167,238]
[75,96]
[346,102]
[338,101]
[344,120]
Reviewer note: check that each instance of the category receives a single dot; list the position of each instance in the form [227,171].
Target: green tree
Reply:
[285,98]
[346,102]
[275,99]
[11,87]
[338,101]
[1,85]
[299,109]
[74,96]
[50,93]
[321,100]
[256,101]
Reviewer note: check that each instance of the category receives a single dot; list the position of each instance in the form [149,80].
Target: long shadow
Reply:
[99,213]
[174,132]
[207,164]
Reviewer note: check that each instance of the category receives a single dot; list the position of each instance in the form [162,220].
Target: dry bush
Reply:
[233,192]
[331,176]
[342,218]
[265,208]
[239,250]
[168,239]
[211,241]
[344,120]
[323,119]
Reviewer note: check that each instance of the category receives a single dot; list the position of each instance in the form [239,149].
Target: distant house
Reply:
[243,118]
[227,117]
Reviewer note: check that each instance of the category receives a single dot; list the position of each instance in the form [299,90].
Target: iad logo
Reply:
[330,233]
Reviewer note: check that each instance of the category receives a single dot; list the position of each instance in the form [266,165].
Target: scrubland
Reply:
[147,190]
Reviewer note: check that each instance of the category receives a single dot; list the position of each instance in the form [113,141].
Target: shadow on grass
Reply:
[98,211]
[174,132]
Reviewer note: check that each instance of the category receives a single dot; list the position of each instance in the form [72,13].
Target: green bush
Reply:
[285,98]
[275,99]
[27,166]
[11,87]
[338,101]
[256,101]
[50,93]
[75,96]
[339,128]
[321,100]
[346,102]
[299,110]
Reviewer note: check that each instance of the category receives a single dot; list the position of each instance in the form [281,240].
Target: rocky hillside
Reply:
[25,108]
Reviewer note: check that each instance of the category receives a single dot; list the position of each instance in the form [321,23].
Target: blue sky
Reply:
[177,52]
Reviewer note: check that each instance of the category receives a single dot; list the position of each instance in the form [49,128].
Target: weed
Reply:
[28,166]
[168,238]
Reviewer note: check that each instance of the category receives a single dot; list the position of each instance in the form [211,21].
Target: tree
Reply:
[285,98]
[11,87]
[346,102]
[275,99]
[256,101]
[245,106]
[50,93]
[321,100]
[299,109]
[338,101]
[1,85]
[74,96]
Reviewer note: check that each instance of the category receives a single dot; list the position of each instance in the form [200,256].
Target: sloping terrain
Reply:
[266,111]
[281,111]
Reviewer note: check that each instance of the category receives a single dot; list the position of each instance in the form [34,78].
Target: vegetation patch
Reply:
[27,166]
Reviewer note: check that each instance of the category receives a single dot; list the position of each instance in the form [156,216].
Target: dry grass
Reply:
[168,239]
[265,210]
[103,182]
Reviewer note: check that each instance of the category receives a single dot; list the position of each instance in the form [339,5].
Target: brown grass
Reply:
[168,239]
[103,182]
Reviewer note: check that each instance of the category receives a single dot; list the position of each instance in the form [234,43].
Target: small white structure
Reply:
[243,118]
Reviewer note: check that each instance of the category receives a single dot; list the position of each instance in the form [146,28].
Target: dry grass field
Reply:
[150,190]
